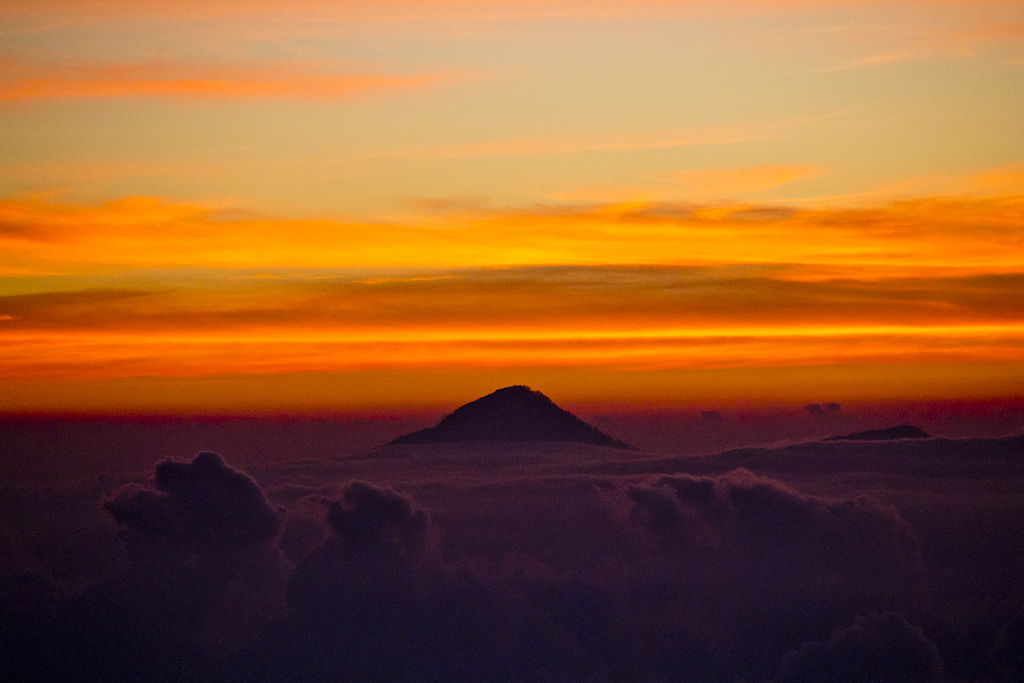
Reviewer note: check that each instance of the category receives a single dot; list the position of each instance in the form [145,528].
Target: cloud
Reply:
[215,322]
[786,535]
[876,649]
[871,61]
[932,35]
[599,143]
[976,233]
[998,181]
[1007,653]
[720,182]
[379,536]
[375,603]
[823,412]
[737,547]
[661,196]
[648,286]
[24,80]
[203,502]
[542,572]
[369,519]
[201,578]
[550,303]
[399,9]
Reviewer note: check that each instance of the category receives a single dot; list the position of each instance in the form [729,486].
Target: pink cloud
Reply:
[22,80]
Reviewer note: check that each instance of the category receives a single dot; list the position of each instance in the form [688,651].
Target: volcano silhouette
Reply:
[890,434]
[514,413]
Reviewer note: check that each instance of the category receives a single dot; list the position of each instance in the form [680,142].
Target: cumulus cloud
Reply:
[375,602]
[203,579]
[369,517]
[748,567]
[756,513]
[378,537]
[795,568]
[204,501]
[876,649]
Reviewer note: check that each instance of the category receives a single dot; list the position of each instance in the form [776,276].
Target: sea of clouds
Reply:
[822,561]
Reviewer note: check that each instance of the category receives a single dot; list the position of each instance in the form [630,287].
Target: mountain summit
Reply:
[514,413]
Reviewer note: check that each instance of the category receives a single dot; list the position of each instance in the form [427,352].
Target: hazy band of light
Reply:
[24,80]
[113,355]
[985,233]
[442,389]
[642,288]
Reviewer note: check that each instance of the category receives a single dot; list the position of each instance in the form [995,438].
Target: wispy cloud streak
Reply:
[613,318]
[980,233]
[24,80]
[716,135]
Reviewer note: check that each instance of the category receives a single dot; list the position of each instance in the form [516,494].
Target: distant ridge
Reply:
[514,413]
[890,434]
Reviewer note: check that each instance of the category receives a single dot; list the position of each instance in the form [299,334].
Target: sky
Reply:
[309,207]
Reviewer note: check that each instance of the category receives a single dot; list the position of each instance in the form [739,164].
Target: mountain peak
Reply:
[516,413]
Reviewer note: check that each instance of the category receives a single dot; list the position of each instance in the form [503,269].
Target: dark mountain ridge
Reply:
[515,413]
[890,434]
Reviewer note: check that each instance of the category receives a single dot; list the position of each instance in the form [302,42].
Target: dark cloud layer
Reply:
[664,294]
[845,561]
[876,649]
[204,501]
[201,576]
[759,522]
[375,603]
[751,567]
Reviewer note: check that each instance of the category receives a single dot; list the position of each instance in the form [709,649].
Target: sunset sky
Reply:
[322,206]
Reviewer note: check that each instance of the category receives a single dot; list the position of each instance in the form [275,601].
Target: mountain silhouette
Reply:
[890,434]
[514,413]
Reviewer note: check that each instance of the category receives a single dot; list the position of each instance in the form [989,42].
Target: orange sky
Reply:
[163,290]
[89,79]
[327,206]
